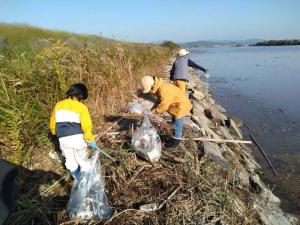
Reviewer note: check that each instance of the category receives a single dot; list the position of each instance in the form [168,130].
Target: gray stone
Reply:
[188,122]
[267,206]
[197,95]
[213,151]
[225,133]
[197,109]
[219,108]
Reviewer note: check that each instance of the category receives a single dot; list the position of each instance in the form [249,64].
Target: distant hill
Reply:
[278,42]
[219,43]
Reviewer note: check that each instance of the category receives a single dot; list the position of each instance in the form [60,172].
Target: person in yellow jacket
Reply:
[172,100]
[70,121]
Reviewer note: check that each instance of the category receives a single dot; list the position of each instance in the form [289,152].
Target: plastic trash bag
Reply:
[135,107]
[88,200]
[146,141]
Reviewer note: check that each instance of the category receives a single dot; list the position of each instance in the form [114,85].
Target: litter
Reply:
[135,107]
[88,200]
[146,141]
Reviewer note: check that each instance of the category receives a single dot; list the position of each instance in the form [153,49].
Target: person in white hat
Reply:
[179,73]
[171,100]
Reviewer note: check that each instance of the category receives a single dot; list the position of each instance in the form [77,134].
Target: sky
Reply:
[158,20]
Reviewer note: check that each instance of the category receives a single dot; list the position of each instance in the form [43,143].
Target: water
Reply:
[261,86]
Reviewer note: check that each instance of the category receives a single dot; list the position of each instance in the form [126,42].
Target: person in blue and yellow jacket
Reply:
[70,121]
[171,99]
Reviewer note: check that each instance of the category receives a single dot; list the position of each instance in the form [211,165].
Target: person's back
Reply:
[70,121]
[180,70]
[172,98]
[179,73]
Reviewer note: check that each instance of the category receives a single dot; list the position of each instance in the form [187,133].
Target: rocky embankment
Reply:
[237,194]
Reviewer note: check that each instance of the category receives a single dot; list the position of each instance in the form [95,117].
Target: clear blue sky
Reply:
[156,20]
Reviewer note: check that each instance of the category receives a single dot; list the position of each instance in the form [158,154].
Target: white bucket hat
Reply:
[183,52]
[147,83]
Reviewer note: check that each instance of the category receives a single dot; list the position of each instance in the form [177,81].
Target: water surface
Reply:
[261,86]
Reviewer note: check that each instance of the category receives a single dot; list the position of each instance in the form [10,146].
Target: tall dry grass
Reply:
[33,78]
[36,68]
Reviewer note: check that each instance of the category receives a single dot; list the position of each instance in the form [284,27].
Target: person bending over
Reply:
[172,100]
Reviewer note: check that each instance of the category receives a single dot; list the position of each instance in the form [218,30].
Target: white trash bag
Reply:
[88,200]
[146,141]
[135,107]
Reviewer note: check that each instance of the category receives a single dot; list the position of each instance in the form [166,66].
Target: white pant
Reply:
[74,148]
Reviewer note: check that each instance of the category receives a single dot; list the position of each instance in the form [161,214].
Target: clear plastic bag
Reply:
[146,141]
[88,200]
[135,107]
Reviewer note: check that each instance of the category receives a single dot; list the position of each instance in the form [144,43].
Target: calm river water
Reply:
[261,85]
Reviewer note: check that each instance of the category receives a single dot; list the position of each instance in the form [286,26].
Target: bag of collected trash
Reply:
[88,200]
[146,141]
[135,107]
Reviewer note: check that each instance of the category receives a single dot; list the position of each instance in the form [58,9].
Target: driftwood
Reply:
[263,153]
[221,140]
[261,150]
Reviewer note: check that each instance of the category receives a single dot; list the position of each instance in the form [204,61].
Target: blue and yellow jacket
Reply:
[71,117]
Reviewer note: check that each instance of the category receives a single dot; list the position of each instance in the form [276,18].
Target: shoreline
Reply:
[276,133]
[237,160]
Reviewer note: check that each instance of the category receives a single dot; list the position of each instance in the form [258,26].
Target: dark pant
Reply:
[8,188]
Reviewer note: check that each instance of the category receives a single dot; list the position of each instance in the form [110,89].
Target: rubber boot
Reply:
[172,145]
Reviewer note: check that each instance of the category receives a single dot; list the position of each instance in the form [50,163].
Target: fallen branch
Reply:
[261,150]
[108,129]
[135,175]
[221,140]
[263,153]
[168,198]
[174,158]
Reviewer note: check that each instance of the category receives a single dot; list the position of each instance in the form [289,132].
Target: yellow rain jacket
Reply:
[71,117]
[171,99]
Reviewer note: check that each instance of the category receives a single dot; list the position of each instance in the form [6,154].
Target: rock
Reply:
[215,116]
[197,95]
[235,129]
[237,120]
[219,108]
[213,151]
[241,173]
[225,133]
[188,122]
[200,121]
[243,177]
[197,109]
[267,205]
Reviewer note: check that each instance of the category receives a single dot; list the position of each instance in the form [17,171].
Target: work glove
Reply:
[93,145]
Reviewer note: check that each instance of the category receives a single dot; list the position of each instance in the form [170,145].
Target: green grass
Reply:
[33,78]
